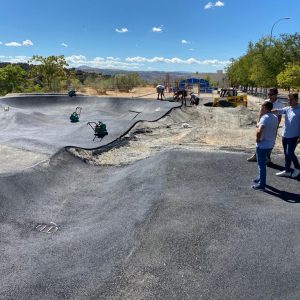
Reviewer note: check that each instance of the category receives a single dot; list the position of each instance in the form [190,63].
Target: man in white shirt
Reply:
[265,140]
[277,104]
[290,136]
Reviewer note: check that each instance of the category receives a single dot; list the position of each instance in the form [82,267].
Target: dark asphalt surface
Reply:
[179,225]
[42,123]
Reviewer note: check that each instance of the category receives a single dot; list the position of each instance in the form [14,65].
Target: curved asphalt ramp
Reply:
[179,225]
[41,123]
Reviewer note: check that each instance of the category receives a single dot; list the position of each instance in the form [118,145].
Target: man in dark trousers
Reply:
[265,140]
[194,99]
[160,92]
[290,136]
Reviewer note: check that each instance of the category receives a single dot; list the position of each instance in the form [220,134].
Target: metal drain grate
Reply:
[47,228]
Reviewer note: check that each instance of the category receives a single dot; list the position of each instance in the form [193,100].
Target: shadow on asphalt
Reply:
[275,166]
[286,196]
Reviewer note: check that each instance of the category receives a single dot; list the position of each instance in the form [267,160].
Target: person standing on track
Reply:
[277,104]
[265,140]
[290,136]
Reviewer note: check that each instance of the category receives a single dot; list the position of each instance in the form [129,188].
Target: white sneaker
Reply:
[295,173]
[284,174]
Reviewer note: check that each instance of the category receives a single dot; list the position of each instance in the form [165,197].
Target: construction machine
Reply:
[229,98]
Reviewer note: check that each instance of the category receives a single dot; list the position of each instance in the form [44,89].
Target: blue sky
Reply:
[163,35]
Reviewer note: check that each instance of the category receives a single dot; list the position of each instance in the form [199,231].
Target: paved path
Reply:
[179,225]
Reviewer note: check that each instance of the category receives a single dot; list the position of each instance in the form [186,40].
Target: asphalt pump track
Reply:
[42,123]
[178,225]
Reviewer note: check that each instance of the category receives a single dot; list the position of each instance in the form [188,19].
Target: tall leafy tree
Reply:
[290,77]
[51,70]
[125,83]
[264,61]
[12,79]
[291,47]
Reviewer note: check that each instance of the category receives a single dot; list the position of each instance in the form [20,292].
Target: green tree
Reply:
[99,84]
[125,83]
[290,77]
[291,46]
[264,61]
[51,70]
[12,79]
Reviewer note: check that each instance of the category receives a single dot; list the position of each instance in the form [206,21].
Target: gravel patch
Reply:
[200,127]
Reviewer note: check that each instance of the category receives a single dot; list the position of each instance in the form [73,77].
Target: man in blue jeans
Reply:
[290,136]
[265,140]
[277,104]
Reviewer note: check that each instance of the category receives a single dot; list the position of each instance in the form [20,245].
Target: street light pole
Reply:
[286,18]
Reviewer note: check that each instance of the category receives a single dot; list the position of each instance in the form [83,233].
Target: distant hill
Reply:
[157,76]
[149,76]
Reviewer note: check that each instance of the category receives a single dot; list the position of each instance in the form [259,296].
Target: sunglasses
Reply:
[271,94]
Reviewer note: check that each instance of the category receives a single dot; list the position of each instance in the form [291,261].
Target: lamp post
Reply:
[286,18]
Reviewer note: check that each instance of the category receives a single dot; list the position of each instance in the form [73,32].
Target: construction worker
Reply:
[160,92]
[194,99]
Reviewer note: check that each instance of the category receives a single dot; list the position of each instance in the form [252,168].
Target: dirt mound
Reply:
[189,127]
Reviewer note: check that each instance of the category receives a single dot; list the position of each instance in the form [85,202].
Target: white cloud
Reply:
[122,30]
[113,58]
[13,44]
[27,43]
[113,64]
[76,59]
[216,62]
[216,4]
[0,43]
[109,62]
[130,63]
[191,49]
[219,4]
[185,42]
[157,29]
[15,59]
[21,58]
[176,60]
[64,45]
[208,5]
[99,59]
[16,44]
[136,59]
